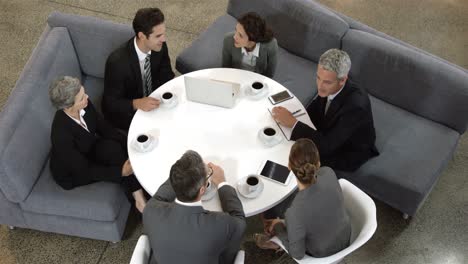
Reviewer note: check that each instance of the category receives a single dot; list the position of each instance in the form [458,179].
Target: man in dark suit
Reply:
[345,134]
[180,230]
[136,69]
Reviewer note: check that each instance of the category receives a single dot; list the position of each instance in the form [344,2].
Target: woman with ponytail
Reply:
[313,220]
[251,46]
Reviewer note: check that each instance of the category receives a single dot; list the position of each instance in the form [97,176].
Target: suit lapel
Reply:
[155,61]
[135,65]
[336,104]
[237,56]
[315,111]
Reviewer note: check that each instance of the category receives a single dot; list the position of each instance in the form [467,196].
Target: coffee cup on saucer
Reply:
[251,184]
[209,186]
[269,136]
[209,192]
[257,87]
[143,142]
[167,98]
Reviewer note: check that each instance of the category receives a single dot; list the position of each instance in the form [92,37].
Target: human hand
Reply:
[146,103]
[283,116]
[218,174]
[127,169]
[271,226]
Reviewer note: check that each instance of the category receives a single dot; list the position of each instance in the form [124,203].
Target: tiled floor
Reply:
[437,234]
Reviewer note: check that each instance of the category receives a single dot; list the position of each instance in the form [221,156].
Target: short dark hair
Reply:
[147,18]
[255,27]
[187,176]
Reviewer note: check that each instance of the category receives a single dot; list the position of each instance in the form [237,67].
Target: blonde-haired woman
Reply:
[314,220]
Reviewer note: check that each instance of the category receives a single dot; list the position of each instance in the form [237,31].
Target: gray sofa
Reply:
[29,197]
[419,101]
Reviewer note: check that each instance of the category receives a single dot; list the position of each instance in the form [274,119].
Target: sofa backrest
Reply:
[93,38]
[26,118]
[302,27]
[400,75]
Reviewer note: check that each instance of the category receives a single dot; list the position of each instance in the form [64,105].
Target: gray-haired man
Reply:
[342,114]
[180,230]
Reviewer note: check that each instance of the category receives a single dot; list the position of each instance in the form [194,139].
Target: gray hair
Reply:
[187,176]
[63,90]
[337,61]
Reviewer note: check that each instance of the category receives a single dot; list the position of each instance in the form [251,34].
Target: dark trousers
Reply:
[110,152]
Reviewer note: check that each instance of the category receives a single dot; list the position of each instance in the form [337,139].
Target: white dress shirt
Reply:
[80,122]
[199,203]
[249,59]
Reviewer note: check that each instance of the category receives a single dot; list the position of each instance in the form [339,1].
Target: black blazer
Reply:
[123,82]
[345,136]
[72,155]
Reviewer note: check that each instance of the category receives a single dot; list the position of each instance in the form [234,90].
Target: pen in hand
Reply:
[295,112]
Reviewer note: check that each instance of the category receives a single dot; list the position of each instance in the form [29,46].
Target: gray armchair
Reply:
[29,197]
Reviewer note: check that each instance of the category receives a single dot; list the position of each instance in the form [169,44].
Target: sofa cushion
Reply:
[94,89]
[207,50]
[93,38]
[413,151]
[27,116]
[297,74]
[421,84]
[99,201]
[304,28]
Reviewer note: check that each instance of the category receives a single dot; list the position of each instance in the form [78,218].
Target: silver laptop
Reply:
[212,92]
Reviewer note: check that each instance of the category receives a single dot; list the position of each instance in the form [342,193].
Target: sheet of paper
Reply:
[300,116]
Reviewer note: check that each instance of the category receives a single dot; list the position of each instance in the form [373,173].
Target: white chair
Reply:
[142,251]
[362,213]
[240,257]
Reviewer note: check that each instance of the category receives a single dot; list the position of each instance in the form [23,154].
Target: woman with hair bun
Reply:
[314,220]
[251,46]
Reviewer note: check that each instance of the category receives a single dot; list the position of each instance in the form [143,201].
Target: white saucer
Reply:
[241,188]
[154,137]
[209,195]
[275,140]
[256,96]
[173,103]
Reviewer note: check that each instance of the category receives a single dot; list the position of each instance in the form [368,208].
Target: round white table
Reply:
[226,137]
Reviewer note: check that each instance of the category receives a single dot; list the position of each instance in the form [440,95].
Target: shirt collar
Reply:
[332,96]
[141,54]
[82,113]
[197,203]
[254,52]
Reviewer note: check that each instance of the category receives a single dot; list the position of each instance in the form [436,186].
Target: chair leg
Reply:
[11,227]
[405,216]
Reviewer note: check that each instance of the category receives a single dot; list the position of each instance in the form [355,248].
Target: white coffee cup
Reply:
[268,134]
[209,186]
[143,141]
[167,97]
[251,183]
[257,87]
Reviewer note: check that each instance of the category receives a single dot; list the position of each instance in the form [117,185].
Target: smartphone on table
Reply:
[280,97]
